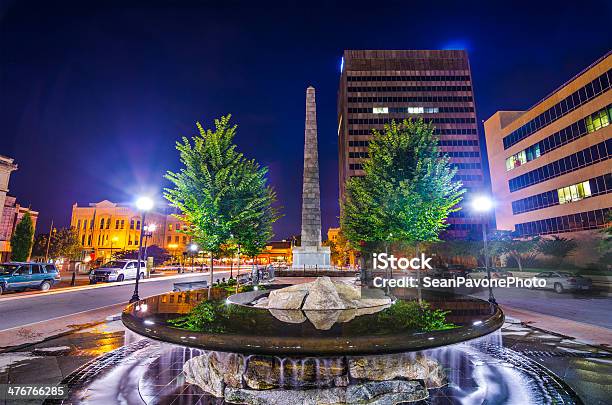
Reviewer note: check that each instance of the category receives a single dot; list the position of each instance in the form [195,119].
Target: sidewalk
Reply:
[590,334]
[14,338]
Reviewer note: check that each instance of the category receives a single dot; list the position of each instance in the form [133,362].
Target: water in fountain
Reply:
[131,337]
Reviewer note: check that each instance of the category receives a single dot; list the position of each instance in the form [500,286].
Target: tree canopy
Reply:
[64,243]
[521,250]
[22,239]
[159,255]
[222,196]
[557,247]
[408,189]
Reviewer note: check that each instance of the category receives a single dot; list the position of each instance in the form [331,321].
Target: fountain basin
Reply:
[254,330]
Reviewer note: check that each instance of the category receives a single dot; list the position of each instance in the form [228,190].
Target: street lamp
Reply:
[483,204]
[193,248]
[143,204]
[149,229]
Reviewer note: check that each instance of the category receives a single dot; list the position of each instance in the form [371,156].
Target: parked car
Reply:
[496,272]
[18,276]
[454,270]
[562,281]
[117,270]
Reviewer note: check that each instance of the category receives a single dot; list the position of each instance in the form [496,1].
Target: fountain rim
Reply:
[311,346]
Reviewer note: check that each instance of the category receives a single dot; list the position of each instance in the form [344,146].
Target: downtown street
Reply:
[59,308]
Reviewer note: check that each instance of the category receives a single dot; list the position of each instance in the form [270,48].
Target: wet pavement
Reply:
[586,369]
[53,360]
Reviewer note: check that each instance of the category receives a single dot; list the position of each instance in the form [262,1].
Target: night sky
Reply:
[93,97]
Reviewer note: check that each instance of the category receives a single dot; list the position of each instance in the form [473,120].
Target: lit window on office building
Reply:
[575,192]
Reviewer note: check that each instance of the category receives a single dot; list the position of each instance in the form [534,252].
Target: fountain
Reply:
[250,351]
[236,349]
[319,342]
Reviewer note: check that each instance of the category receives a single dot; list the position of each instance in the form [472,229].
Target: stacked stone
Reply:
[311,194]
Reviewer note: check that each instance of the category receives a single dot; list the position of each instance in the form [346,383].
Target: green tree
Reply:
[22,239]
[64,243]
[159,254]
[67,244]
[340,249]
[521,250]
[39,248]
[408,189]
[557,247]
[219,192]
[255,231]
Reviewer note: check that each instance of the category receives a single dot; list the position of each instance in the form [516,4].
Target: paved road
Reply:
[584,307]
[19,311]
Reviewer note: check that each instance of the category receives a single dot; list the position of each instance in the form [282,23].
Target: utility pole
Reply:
[49,242]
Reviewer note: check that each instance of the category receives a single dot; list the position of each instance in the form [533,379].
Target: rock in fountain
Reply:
[405,366]
[323,302]
[321,295]
[386,379]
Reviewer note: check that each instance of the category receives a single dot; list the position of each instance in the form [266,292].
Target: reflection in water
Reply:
[131,337]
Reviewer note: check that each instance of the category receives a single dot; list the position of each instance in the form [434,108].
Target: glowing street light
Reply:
[143,204]
[484,204]
[194,249]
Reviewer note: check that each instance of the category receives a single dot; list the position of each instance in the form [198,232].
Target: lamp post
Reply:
[193,248]
[143,204]
[149,229]
[484,204]
[48,243]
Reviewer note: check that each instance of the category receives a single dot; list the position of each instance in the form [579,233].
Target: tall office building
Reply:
[550,165]
[379,86]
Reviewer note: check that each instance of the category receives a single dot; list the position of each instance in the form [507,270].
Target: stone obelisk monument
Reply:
[311,254]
